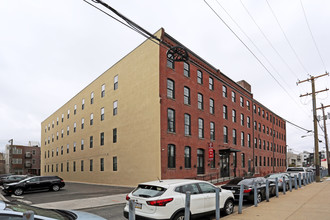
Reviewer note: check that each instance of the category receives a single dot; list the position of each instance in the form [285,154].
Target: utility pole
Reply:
[325,136]
[316,139]
[11,141]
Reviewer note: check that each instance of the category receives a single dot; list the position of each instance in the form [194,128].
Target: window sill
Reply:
[173,99]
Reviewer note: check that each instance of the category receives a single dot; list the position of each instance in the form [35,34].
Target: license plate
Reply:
[138,205]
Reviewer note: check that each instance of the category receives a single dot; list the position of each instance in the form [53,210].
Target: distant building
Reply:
[148,117]
[293,159]
[21,159]
[304,162]
[2,164]
[310,159]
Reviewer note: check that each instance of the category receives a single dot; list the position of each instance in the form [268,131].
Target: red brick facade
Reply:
[24,159]
[270,123]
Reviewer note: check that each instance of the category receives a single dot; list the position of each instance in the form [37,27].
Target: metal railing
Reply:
[218,178]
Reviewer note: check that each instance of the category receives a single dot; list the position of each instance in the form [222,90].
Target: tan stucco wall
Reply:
[137,122]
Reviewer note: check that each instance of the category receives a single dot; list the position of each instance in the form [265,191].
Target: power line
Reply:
[260,62]
[251,41]
[298,126]
[133,26]
[267,39]
[310,31]
[286,38]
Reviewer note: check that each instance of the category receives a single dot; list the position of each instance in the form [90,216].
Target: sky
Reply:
[50,50]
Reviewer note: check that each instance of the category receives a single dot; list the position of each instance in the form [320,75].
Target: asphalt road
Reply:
[114,212]
[73,191]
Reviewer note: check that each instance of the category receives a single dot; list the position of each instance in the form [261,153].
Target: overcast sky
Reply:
[50,50]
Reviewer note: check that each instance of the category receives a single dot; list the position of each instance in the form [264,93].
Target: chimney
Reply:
[245,85]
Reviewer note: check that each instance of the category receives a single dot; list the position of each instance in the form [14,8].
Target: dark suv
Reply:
[35,183]
[12,179]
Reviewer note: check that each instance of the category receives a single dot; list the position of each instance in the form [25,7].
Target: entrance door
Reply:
[224,164]
[200,161]
[249,166]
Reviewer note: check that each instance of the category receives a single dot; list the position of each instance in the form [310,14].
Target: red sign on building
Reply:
[211,154]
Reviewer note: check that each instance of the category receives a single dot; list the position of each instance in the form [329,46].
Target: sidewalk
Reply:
[311,202]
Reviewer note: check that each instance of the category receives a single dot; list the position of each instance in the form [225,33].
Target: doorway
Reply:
[224,164]
[200,161]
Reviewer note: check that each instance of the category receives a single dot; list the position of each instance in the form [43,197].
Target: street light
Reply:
[303,136]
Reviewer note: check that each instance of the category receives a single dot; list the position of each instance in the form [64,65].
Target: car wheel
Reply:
[259,198]
[55,188]
[18,191]
[179,216]
[229,207]
[273,191]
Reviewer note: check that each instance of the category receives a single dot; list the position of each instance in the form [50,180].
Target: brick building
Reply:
[147,118]
[21,159]
[208,107]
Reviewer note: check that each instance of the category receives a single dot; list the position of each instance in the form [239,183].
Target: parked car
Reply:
[54,183]
[165,199]
[294,171]
[12,179]
[248,182]
[5,175]
[15,210]
[271,177]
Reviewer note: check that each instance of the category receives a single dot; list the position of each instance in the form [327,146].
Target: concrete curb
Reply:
[3,198]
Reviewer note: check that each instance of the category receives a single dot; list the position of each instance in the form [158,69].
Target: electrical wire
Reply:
[129,23]
[251,41]
[253,54]
[286,38]
[310,31]
[267,39]
[297,126]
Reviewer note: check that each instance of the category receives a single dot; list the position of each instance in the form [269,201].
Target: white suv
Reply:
[165,199]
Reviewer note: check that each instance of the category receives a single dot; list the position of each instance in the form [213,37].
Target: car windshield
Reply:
[300,169]
[148,191]
[247,182]
[23,180]
[18,207]
[274,175]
